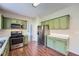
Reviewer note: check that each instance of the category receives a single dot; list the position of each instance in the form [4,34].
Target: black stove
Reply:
[16,38]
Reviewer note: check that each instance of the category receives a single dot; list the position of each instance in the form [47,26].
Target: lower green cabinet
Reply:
[6,50]
[50,42]
[61,46]
[58,44]
[25,40]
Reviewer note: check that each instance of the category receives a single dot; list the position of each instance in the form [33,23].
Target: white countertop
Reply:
[62,36]
[3,47]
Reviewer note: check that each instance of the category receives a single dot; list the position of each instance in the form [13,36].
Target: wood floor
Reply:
[33,49]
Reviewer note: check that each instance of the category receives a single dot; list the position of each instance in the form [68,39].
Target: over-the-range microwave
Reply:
[16,26]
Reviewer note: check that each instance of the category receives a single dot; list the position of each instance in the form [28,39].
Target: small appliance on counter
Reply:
[16,39]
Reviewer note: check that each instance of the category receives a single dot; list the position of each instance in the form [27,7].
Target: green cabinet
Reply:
[50,42]
[6,23]
[6,50]
[13,21]
[1,22]
[58,23]
[25,40]
[42,23]
[18,21]
[64,22]
[58,44]
[24,24]
[61,45]
[51,24]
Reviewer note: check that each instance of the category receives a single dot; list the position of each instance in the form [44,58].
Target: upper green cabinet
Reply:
[24,24]
[42,23]
[14,21]
[64,22]
[58,23]
[51,24]
[5,22]
[1,22]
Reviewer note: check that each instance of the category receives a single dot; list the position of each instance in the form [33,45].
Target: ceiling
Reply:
[27,9]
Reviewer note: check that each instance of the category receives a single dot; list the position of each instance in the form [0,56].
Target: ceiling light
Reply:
[35,4]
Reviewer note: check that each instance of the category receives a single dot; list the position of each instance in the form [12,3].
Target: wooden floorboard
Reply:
[33,49]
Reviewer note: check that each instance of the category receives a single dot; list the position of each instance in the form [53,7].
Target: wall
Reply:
[33,23]
[73,31]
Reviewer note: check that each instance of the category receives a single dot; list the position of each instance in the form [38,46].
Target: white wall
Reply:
[73,31]
[34,22]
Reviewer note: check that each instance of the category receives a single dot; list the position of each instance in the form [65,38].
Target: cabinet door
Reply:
[24,24]
[60,46]
[18,21]
[13,21]
[25,40]
[43,23]
[51,24]
[0,22]
[50,42]
[56,23]
[7,24]
[64,22]
[46,23]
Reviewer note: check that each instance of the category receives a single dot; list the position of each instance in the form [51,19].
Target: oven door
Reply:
[16,40]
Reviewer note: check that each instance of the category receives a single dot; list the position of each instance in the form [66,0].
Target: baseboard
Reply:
[71,53]
[74,53]
[56,51]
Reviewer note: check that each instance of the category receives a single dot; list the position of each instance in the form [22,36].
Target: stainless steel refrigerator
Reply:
[43,31]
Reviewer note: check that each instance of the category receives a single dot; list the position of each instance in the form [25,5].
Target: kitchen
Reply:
[53,31]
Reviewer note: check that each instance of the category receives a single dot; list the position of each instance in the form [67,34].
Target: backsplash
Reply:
[4,33]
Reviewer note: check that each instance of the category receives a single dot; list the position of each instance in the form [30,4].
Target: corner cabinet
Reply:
[58,44]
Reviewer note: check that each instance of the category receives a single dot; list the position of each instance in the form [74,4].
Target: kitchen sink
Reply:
[1,43]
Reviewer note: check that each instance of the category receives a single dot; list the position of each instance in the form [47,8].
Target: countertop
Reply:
[3,47]
[62,36]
